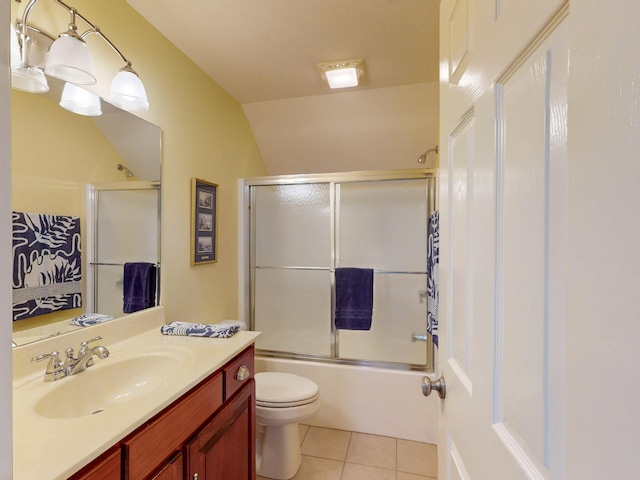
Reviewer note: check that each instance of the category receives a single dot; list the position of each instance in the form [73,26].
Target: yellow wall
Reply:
[205,135]
[54,154]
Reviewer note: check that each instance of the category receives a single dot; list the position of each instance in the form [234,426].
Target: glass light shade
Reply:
[29,79]
[80,101]
[342,78]
[16,61]
[69,60]
[127,91]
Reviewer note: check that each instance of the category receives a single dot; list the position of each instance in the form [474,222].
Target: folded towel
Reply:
[354,298]
[238,323]
[199,329]
[139,286]
[87,319]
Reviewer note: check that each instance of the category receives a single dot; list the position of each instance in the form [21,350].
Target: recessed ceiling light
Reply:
[343,73]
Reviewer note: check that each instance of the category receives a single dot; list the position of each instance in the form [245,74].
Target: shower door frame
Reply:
[247,265]
[92,191]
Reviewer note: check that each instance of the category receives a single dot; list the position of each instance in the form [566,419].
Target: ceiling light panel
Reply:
[343,73]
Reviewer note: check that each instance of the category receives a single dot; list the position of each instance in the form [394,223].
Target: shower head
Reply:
[423,158]
[128,172]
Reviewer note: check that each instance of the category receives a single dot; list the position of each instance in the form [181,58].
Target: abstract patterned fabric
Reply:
[433,258]
[199,329]
[47,270]
[88,319]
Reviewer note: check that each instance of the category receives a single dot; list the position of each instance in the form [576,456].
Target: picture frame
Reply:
[204,222]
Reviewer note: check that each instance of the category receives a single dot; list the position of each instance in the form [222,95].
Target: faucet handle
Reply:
[55,368]
[84,346]
[55,357]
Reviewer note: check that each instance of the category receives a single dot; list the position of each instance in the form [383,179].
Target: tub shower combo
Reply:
[303,228]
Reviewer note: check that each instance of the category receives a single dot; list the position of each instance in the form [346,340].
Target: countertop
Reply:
[53,448]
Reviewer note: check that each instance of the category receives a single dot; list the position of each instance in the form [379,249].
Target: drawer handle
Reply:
[243,373]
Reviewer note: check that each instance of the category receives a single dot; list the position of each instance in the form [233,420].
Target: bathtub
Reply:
[366,399]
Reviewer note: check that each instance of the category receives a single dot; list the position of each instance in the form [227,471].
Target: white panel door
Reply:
[539,257]
[503,189]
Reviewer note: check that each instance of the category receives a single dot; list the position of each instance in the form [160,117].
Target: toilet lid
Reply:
[277,389]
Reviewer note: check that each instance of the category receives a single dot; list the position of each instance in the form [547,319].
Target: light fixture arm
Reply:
[24,34]
[96,30]
[74,13]
[93,29]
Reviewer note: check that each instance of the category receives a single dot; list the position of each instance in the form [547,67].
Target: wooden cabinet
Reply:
[153,444]
[172,470]
[220,450]
[105,467]
[210,431]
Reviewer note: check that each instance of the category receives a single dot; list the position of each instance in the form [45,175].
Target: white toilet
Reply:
[282,400]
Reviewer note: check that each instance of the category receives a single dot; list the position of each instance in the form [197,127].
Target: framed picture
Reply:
[204,228]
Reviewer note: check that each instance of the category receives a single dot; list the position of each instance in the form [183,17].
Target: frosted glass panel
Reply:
[108,284]
[293,310]
[383,225]
[293,225]
[397,313]
[127,226]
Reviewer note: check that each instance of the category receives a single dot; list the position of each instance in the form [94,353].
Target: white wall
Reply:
[5,259]
[366,400]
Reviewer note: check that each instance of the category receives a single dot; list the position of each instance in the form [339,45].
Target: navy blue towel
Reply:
[354,298]
[139,286]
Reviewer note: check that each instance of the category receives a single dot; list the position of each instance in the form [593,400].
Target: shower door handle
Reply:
[439,386]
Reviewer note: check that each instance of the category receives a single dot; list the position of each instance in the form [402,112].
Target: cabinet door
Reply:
[147,448]
[172,470]
[225,448]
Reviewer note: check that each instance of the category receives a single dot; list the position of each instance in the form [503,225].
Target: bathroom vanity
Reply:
[190,411]
[208,433]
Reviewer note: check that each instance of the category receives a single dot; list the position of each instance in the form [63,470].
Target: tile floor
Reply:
[329,454]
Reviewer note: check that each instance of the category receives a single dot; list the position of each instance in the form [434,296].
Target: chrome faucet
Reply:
[56,369]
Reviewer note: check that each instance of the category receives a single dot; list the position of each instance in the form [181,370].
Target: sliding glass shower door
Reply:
[383,225]
[303,230]
[124,226]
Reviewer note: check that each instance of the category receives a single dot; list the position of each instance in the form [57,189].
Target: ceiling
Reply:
[264,54]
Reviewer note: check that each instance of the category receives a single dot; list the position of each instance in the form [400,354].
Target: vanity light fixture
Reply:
[78,100]
[69,59]
[23,76]
[127,90]
[15,48]
[343,73]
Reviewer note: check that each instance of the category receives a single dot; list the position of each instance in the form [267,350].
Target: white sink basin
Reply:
[112,381]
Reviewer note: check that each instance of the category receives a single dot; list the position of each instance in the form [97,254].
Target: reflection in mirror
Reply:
[104,171]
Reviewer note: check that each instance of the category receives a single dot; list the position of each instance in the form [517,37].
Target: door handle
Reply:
[439,386]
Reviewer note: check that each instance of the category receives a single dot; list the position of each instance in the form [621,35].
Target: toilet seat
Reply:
[284,390]
[282,401]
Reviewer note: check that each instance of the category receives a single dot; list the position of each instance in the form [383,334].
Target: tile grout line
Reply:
[346,453]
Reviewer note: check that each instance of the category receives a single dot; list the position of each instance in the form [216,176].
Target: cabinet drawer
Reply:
[232,380]
[147,448]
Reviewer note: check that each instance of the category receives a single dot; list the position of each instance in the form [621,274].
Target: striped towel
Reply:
[199,329]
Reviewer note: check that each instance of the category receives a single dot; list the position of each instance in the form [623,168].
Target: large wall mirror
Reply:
[103,170]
